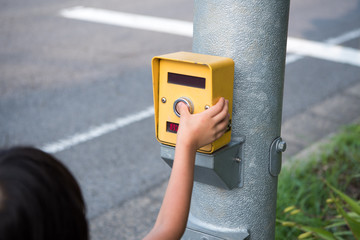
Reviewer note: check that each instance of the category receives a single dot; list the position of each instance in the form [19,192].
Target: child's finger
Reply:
[182,108]
[216,109]
[225,122]
[222,127]
[223,113]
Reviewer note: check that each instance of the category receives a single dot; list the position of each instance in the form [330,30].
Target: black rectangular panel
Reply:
[186,80]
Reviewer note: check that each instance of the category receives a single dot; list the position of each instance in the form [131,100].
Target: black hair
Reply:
[39,198]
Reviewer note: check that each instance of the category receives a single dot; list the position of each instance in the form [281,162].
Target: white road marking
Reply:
[344,37]
[150,23]
[97,131]
[290,58]
[327,51]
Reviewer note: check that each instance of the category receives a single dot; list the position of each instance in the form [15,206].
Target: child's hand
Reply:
[200,129]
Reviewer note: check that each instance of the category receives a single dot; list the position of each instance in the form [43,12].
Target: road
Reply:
[63,79]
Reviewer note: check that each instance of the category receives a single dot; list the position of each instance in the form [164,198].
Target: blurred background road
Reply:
[82,89]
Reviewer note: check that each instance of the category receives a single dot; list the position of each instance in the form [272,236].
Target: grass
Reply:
[302,183]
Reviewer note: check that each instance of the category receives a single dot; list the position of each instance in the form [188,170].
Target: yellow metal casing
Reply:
[201,78]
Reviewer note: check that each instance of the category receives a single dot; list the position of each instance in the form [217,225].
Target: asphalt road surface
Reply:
[83,88]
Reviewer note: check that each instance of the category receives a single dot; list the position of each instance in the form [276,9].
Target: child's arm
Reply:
[195,131]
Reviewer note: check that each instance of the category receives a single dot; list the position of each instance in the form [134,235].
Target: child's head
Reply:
[39,198]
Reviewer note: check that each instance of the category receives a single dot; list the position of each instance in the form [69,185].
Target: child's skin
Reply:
[195,131]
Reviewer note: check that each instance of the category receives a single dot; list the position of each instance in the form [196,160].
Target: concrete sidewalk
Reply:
[135,217]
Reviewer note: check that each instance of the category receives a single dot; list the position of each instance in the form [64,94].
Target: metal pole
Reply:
[252,33]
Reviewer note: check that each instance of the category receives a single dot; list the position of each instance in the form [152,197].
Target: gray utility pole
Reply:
[253,33]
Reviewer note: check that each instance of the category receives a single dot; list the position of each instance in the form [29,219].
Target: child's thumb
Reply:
[182,109]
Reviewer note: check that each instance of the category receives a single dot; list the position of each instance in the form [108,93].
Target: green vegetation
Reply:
[311,192]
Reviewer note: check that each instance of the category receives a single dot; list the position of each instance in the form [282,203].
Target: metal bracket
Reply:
[278,146]
[223,168]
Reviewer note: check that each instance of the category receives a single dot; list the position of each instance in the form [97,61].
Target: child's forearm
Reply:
[172,218]
[176,203]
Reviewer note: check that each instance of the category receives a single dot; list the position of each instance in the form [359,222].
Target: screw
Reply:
[163,100]
[207,107]
[237,159]
[281,146]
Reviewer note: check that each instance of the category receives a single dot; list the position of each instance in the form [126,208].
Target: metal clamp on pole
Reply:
[277,147]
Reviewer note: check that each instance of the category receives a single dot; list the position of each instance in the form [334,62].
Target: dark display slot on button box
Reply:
[186,80]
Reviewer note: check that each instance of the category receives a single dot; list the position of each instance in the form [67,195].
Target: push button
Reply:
[188,103]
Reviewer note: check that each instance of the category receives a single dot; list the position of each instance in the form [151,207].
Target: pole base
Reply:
[195,230]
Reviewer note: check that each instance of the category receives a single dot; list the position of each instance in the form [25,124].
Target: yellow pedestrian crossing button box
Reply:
[199,81]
